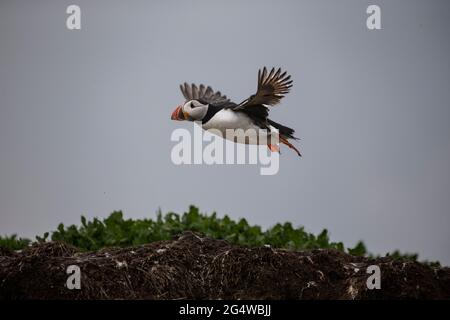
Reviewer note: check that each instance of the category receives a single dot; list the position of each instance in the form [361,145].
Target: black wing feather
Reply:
[272,87]
[205,94]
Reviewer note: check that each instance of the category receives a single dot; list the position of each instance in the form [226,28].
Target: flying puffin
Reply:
[216,111]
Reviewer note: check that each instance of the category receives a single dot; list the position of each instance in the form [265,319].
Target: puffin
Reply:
[213,110]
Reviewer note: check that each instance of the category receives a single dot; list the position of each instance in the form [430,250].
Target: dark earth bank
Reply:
[192,266]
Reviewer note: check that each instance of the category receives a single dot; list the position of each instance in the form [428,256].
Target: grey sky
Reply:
[85,115]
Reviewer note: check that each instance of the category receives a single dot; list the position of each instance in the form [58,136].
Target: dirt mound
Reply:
[196,267]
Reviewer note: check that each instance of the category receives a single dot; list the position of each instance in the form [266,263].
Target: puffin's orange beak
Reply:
[178,114]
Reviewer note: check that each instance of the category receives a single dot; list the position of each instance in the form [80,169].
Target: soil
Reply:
[192,266]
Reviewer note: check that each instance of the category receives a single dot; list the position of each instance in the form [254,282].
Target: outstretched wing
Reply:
[272,86]
[205,95]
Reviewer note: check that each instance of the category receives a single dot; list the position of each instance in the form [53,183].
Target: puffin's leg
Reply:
[273,147]
[290,145]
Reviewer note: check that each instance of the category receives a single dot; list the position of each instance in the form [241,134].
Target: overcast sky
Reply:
[85,115]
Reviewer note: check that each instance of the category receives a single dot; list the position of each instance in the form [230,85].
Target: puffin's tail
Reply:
[284,134]
[283,130]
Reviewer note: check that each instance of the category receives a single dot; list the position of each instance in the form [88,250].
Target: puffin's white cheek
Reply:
[197,113]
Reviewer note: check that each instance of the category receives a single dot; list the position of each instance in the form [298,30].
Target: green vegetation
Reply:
[117,231]
[11,242]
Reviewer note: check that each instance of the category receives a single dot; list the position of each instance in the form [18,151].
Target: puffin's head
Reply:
[192,110]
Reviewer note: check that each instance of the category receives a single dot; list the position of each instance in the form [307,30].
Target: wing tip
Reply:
[275,75]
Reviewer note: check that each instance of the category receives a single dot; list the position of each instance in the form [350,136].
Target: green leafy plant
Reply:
[14,243]
[117,231]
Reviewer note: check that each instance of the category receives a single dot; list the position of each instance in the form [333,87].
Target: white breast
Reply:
[228,119]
